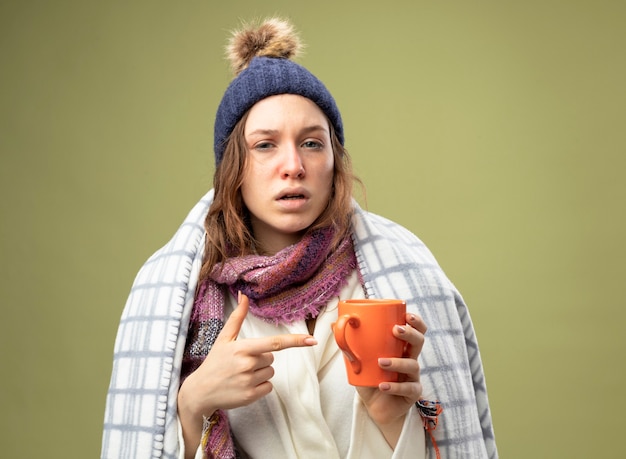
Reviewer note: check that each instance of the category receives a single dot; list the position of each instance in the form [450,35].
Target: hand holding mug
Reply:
[363,332]
[388,381]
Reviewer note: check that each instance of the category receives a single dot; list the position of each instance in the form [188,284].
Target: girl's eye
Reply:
[263,146]
[312,144]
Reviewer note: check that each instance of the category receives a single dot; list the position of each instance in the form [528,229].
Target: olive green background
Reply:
[495,130]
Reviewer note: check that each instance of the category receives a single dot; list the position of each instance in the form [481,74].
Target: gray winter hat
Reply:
[260,59]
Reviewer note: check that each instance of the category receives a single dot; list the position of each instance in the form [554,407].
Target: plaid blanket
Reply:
[140,415]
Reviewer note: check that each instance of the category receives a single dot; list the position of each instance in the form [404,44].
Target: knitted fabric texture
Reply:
[217,443]
[264,77]
[292,285]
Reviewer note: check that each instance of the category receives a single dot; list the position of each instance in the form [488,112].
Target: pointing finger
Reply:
[280,342]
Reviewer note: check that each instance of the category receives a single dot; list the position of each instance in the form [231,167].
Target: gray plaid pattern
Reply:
[394,263]
[140,415]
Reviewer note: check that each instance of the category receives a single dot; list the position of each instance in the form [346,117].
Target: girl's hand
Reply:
[388,403]
[235,373]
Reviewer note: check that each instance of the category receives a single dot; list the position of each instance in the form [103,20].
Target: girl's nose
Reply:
[292,166]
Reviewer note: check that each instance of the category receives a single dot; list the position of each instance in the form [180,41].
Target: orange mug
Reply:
[363,332]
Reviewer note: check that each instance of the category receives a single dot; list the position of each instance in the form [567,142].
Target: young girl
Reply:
[225,346]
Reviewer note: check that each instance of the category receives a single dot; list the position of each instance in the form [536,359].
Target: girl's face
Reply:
[289,175]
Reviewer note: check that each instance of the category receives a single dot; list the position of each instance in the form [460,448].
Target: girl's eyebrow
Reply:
[315,127]
[263,132]
[272,132]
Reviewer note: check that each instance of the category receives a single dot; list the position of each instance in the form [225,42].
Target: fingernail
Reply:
[413,318]
[401,329]
[310,341]
[384,386]
[238,296]
[383,362]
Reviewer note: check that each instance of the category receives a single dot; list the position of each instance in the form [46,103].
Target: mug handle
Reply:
[339,331]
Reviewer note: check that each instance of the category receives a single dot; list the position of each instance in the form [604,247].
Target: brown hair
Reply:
[227,223]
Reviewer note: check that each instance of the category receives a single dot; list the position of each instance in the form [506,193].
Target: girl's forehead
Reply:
[286,111]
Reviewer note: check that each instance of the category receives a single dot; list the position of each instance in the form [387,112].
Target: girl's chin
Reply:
[276,239]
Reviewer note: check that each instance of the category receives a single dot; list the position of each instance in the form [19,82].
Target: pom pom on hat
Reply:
[260,58]
[273,38]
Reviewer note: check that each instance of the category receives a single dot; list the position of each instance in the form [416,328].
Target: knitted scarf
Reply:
[292,285]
